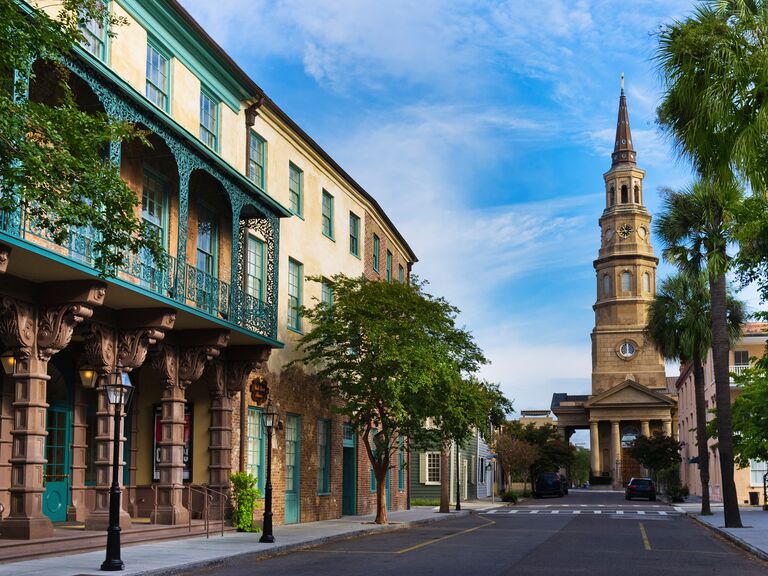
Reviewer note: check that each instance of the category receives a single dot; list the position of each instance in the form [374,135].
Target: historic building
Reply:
[749,480]
[629,388]
[246,205]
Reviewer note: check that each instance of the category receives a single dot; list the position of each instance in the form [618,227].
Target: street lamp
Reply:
[8,360]
[118,389]
[269,419]
[88,377]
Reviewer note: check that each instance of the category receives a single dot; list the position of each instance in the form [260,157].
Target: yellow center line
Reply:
[468,530]
[646,542]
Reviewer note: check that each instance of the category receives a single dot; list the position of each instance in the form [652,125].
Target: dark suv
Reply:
[549,484]
[640,488]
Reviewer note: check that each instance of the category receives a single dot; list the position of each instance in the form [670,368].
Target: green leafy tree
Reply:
[554,452]
[580,466]
[750,414]
[680,325]
[54,163]
[383,353]
[696,228]
[516,457]
[658,452]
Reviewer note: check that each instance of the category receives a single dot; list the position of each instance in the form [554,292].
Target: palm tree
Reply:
[696,227]
[680,325]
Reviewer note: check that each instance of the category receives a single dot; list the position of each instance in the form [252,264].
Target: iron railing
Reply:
[209,499]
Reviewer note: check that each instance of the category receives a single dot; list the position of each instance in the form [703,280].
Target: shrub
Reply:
[425,502]
[244,494]
[509,496]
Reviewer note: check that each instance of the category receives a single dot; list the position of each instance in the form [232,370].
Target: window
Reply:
[612,197]
[389,266]
[401,463]
[741,357]
[257,157]
[255,446]
[295,192]
[294,295]
[323,456]
[481,471]
[627,350]
[400,273]
[606,285]
[209,120]
[326,292]
[624,194]
[376,251]
[637,194]
[157,77]
[757,469]
[433,467]
[206,241]
[626,281]
[153,215]
[94,37]
[646,282]
[327,215]
[254,273]
[354,234]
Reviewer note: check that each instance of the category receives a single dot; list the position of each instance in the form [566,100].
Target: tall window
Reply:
[94,37]
[153,208]
[606,285]
[157,77]
[323,456]
[295,191]
[206,241]
[294,294]
[326,292]
[624,194]
[626,281]
[389,266]
[400,273]
[255,446]
[612,196]
[327,214]
[637,194]
[646,282]
[257,156]
[209,120]
[433,467]
[401,463]
[254,274]
[354,234]
[376,250]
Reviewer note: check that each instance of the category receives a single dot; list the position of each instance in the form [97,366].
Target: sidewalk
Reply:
[192,554]
[753,537]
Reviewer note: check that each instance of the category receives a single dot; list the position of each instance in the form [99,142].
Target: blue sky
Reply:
[483,127]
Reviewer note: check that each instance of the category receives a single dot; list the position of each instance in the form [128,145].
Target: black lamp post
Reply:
[269,419]
[118,388]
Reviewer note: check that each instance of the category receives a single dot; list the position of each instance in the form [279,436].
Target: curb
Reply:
[735,540]
[282,549]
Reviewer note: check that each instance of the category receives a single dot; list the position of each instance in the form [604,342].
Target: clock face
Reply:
[625,230]
[609,234]
[641,232]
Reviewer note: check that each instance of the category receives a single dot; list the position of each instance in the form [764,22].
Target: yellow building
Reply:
[629,387]
[749,481]
[247,205]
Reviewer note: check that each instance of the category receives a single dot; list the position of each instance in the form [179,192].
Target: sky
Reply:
[483,128]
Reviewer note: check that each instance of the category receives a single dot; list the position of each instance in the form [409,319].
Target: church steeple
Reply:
[623,151]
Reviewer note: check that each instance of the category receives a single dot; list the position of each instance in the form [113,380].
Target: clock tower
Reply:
[625,274]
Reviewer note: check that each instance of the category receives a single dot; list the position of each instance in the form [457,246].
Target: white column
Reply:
[615,451]
[667,427]
[594,446]
[645,428]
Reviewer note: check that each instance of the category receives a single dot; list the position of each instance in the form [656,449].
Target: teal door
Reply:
[56,476]
[292,468]
[349,494]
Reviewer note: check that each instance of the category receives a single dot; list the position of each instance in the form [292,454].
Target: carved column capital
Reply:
[198,347]
[17,325]
[166,362]
[99,346]
[5,254]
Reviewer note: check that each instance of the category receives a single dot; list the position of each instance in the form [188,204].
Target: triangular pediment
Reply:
[629,393]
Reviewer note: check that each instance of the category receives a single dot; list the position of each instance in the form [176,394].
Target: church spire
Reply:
[623,152]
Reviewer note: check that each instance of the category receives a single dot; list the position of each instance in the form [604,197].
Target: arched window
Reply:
[612,196]
[624,194]
[626,281]
[606,285]
[637,194]
[646,282]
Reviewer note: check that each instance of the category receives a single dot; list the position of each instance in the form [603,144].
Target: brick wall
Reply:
[371,228]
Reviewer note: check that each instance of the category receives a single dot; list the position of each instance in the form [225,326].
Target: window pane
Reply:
[294,189]
[206,242]
[255,268]
[208,120]
[94,37]
[389,266]
[157,78]
[354,234]
[256,159]
[326,294]
[400,274]
[327,214]
[294,294]
[255,447]
[376,249]
[626,281]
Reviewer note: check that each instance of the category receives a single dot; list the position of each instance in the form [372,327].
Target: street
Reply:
[583,533]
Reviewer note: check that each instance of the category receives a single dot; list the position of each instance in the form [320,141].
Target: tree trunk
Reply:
[701,431]
[723,396]
[381,500]
[445,478]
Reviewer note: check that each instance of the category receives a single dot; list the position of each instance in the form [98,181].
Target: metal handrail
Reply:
[223,498]
[207,499]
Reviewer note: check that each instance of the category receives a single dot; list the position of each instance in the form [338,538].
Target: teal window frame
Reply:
[376,253]
[150,83]
[326,292]
[389,266]
[327,215]
[98,37]
[214,247]
[209,134]
[323,457]
[354,234]
[295,271]
[254,412]
[295,189]
[255,267]
[401,463]
[401,273]
[257,159]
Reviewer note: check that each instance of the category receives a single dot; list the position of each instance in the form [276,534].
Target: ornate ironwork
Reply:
[260,315]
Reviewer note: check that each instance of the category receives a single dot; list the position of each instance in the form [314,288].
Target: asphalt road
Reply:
[583,533]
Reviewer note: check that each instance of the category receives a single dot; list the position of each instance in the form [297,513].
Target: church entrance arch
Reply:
[629,466]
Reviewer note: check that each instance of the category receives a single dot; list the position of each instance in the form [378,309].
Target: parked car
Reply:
[565,483]
[640,488]
[548,484]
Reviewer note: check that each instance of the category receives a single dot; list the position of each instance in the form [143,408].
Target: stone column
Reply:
[76,511]
[675,431]
[6,438]
[645,428]
[667,426]
[594,446]
[615,451]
